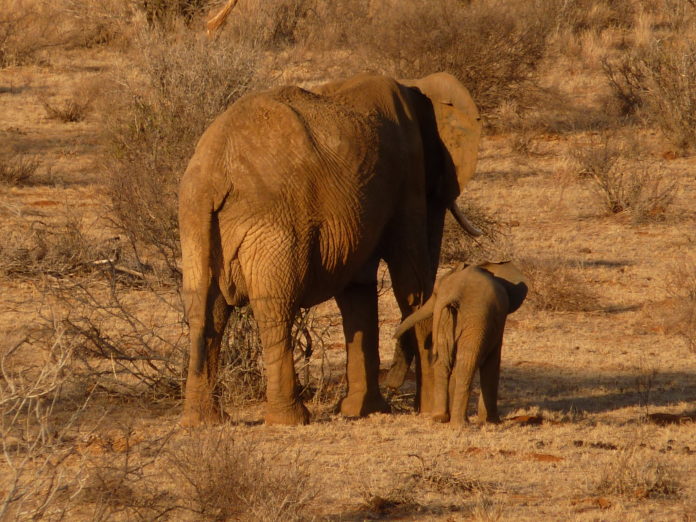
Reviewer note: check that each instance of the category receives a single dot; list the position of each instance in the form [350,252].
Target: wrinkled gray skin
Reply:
[469,306]
[293,197]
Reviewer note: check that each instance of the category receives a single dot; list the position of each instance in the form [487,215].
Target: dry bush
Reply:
[224,479]
[27,27]
[241,374]
[556,285]
[130,342]
[681,285]
[622,180]
[436,475]
[59,249]
[151,124]
[656,78]
[493,47]
[166,13]
[17,169]
[458,246]
[633,476]
[278,25]
[33,437]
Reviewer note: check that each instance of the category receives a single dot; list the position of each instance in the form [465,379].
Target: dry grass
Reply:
[17,169]
[633,476]
[226,479]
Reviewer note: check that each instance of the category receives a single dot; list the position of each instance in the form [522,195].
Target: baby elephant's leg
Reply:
[490,377]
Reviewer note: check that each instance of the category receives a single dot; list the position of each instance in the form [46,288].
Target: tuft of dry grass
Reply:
[633,476]
[17,169]
[226,479]
[73,109]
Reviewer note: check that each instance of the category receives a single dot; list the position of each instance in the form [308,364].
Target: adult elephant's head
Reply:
[451,130]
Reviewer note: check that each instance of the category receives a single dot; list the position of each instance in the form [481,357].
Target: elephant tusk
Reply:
[463,222]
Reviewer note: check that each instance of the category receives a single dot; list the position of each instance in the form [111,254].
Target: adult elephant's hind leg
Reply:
[283,404]
[208,316]
[358,305]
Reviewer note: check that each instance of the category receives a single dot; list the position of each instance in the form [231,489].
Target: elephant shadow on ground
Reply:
[551,389]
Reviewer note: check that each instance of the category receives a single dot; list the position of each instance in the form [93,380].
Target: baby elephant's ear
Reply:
[512,279]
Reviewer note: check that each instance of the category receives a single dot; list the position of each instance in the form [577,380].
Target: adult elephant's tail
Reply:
[422,313]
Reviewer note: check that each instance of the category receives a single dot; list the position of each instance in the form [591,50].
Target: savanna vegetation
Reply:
[586,179]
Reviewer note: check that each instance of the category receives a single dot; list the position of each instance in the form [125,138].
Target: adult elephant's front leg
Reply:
[358,305]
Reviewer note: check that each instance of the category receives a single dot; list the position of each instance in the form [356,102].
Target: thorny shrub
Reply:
[58,249]
[73,109]
[457,245]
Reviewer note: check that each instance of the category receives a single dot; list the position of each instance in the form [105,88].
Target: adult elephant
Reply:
[292,197]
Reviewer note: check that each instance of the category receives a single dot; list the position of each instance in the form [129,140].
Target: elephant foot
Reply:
[294,415]
[206,416]
[490,419]
[441,417]
[361,405]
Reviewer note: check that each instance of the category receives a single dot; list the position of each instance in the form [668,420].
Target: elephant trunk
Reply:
[463,222]
[423,312]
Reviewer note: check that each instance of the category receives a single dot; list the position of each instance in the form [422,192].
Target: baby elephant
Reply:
[469,306]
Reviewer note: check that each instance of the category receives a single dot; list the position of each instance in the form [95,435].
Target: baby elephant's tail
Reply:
[423,312]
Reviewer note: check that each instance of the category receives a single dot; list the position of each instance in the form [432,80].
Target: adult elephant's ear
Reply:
[458,125]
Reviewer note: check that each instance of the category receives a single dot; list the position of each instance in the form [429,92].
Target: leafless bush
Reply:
[681,285]
[166,13]
[493,47]
[58,249]
[555,285]
[180,84]
[32,435]
[277,25]
[624,181]
[657,78]
[458,246]
[226,479]
[436,475]
[17,169]
[130,341]
[631,475]
[27,27]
